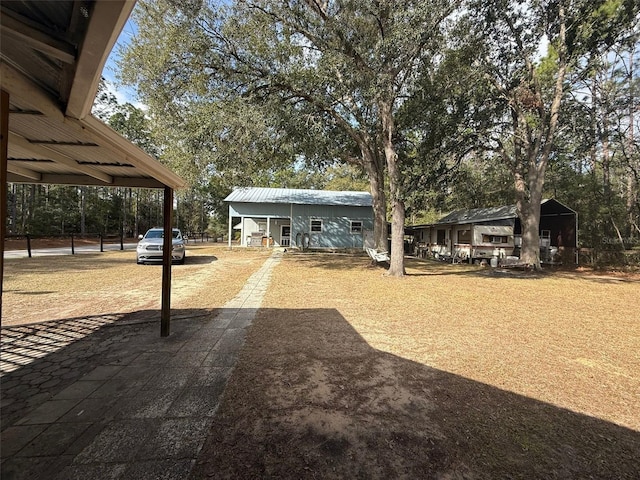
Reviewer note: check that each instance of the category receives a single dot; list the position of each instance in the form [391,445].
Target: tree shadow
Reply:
[418,267]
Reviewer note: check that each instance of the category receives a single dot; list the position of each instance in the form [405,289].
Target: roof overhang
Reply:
[51,61]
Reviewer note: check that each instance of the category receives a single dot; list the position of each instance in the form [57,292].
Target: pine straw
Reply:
[450,372]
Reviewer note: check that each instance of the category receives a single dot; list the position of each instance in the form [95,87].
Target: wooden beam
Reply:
[21,87]
[50,153]
[36,39]
[70,179]
[4,150]
[105,136]
[106,22]
[24,172]
[167,247]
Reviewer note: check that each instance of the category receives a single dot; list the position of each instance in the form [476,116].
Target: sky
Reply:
[123,94]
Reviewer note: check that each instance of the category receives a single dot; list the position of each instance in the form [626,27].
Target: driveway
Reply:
[46,252]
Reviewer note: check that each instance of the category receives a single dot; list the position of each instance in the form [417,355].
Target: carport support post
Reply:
[4,146]
[167,247]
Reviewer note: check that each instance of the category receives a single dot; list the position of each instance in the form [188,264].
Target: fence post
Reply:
[29,245]
[121,240]
[73,250]
[101,243]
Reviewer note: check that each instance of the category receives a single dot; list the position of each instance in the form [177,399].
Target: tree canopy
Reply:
[431,105]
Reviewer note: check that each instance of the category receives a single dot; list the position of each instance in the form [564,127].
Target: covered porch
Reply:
[265,231]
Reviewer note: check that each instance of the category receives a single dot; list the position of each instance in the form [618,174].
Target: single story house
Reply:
[484,233]
[284,217]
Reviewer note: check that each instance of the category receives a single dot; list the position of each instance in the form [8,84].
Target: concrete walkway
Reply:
[107,397]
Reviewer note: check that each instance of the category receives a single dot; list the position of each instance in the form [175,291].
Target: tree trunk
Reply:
[136,219]
[376,181]
[530,167]
[632,191]
[31,205]
[396,264]
[529,213]
[13,209]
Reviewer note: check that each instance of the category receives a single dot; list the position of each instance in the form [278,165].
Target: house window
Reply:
[356,226]
[464,236]
[316,226]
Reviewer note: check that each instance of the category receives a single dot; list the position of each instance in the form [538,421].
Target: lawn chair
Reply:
[378,257]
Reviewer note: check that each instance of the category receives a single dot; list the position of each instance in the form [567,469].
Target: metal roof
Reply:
[475,215]
[51,59]
[479,215]
[300,196]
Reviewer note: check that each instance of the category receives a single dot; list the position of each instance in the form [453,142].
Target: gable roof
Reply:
[51,59]
[300,197]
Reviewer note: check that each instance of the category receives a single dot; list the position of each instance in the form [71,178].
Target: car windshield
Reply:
[160,234]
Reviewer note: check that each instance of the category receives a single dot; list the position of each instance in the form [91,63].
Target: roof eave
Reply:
[106,22]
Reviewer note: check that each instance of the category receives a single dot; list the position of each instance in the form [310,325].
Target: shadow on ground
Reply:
[419,267]
[200,259]
[107,397]
[310,398]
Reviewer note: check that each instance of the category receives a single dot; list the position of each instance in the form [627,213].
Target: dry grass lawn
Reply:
[60,287]
[451,372]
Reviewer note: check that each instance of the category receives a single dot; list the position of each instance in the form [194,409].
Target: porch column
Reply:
[4,146]
[472,248]
[268,230]
[167,247]
[230,226]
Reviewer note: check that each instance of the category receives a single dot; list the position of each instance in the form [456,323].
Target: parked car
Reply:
[150,246]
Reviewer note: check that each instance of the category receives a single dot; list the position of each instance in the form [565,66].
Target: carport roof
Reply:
[51,59]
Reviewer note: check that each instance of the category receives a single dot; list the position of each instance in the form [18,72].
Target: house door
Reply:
[285,235]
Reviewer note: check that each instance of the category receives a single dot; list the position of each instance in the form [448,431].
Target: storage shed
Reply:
[484,233]
[283,217]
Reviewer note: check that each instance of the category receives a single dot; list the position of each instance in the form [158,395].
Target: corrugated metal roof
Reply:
[300,196]
[479,215]
[551,205]
[51,57]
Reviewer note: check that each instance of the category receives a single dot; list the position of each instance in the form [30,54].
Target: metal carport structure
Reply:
[51,59]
